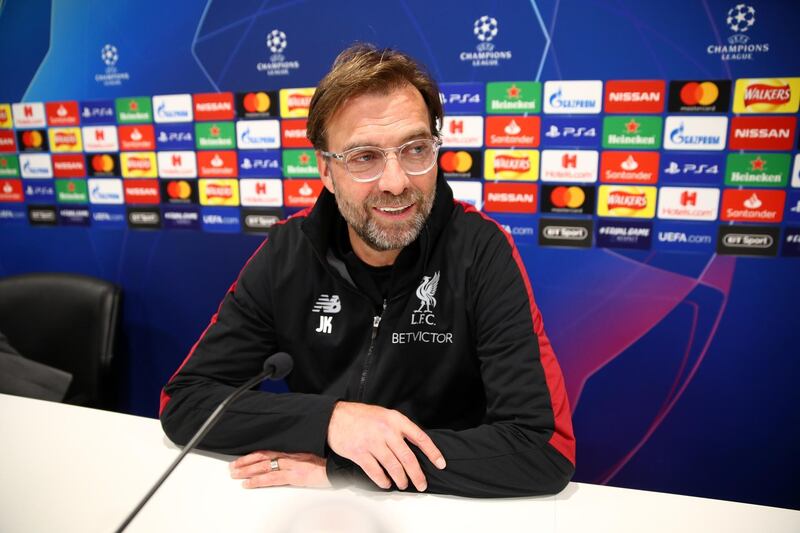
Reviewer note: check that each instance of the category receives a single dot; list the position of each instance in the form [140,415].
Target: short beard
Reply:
[381,239]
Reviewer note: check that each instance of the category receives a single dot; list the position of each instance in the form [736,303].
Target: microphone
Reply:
[277,366]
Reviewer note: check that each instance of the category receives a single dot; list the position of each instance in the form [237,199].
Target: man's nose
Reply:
[394,179]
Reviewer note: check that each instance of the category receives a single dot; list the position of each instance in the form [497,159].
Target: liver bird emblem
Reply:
[426,292]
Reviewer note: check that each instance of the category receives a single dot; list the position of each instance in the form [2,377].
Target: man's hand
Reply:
[297,469]
[374,437]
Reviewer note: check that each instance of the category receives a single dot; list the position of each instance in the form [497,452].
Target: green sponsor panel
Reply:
[632,132]
[215,135]
[299,164]
[9,166]
[134,110]
[762,170]
[512,97]
[72,191]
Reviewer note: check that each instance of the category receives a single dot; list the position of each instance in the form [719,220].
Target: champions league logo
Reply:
[109,55]
[740,19]
[485,29]
[278,65]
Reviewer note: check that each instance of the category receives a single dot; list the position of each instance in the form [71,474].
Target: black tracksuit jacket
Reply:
[458,346]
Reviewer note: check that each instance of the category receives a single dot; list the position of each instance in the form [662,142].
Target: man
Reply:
[420,358]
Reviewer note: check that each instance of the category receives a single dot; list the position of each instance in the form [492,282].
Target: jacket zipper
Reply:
[376,321]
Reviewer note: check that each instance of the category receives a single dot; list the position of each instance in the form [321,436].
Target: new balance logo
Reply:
[326,304]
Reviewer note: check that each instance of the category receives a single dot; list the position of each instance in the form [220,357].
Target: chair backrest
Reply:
[67,321]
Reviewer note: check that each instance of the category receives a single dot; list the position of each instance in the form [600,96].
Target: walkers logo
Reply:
[461,163]
[214,135]
[627,202]
[142,192]
[260,220]
[748,240]
[470,192]
[69,166]
[767,95]
[138,137]
[295,102]
[259,104]
[36,166]
[512,131]
[261,192]
[99,112]
[301,193]
[699,96]
[685,236]
[144,217]
[633,96]
[299,164]
[44,215]
[216,164]
[72,191]
[182,164]
[293,134]
[692,169]
[62,113]
[175,136]
[7,141]
[762,133]
[760,170]
[29,115]
[752,205]
[101,165]
[106,191]
[278,64]
[6,120]
[181,217]
[513,97]
[111,75]
[219,192]
[73,216]
[510,198]
[32,140]
[688,203]
[260,164]
[179,191]
[695,133]
[462,131]
[100,139]
[426,292]
[740,19]
[511,165]
[573,97]
[173,108]
[65,140]
[568,232]
[629,167]
[569,165]
[213,106]
[629,235]
[134,110]
[461,98]
[40,192]
[138,164]
[631,132]
[9,166]
[257,134]
[330,304]
[571,132]
[568,199]
[486,54]
[11,191]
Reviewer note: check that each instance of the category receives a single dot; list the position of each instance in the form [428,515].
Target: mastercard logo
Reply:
[32,139]
[563,196]
[705,93]
[256,102]
[103,163]
[460,161]
[179,190]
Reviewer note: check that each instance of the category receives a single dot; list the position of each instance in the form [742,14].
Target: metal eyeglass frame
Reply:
[437,143]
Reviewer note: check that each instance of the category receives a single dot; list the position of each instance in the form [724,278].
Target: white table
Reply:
[65,469]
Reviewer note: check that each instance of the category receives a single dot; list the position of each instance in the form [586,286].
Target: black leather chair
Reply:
[66,321]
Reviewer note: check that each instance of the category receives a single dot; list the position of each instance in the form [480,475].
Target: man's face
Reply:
[386,214]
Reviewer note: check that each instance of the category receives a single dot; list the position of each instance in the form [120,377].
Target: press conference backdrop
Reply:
[643,156]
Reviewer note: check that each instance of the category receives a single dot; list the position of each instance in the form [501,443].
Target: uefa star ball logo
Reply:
[741,17]
[485,28]
[109,55]
[276,41]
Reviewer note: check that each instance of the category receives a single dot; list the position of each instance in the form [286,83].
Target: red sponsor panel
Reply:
[635,96]
[7,141]
[213,106]
[69,166]
[513,131]
[137,137]
[510,197]
[301,192]
[141,192]
[752,205]
[629,167]
[11,191]
[293,134]
[762,133]
[62,113]
[217,164]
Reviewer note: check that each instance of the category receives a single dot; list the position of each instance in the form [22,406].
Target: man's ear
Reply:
[324,171]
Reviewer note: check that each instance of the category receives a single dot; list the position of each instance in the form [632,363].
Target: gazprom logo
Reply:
[695,133]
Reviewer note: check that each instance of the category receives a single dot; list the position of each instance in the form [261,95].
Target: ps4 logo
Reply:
[570,131]
[691,168]
[460,98]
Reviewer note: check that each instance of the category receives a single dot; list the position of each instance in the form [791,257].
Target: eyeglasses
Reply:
[367,163]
